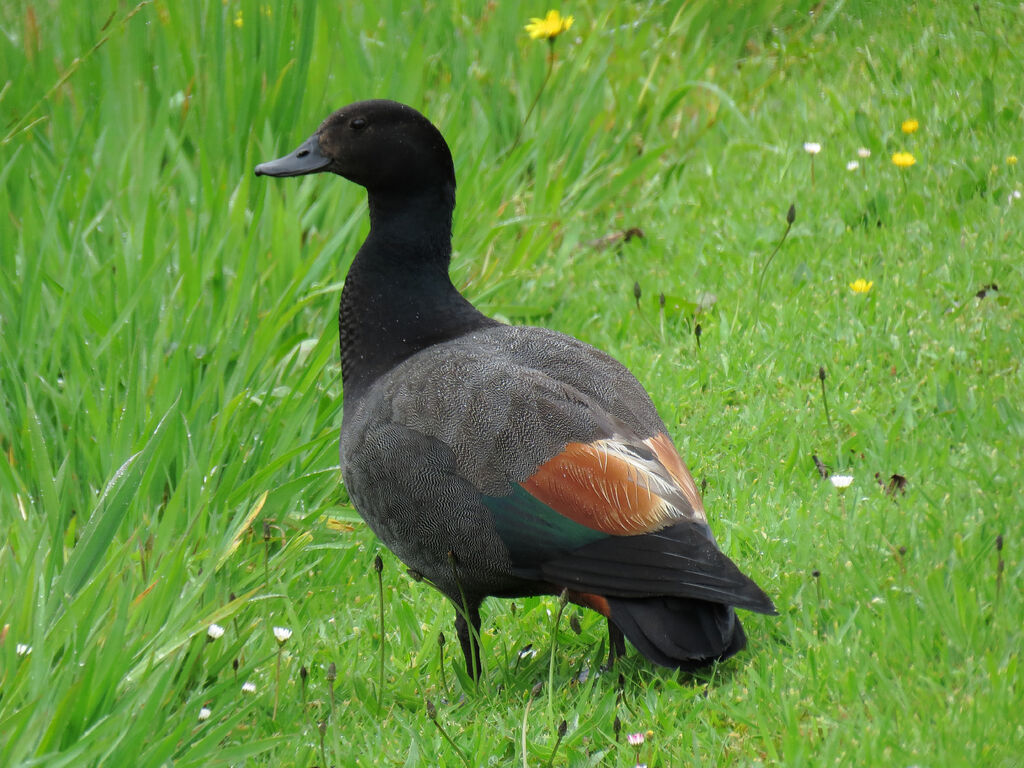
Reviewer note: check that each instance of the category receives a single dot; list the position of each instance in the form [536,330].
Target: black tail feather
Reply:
[682,562]
[679,632]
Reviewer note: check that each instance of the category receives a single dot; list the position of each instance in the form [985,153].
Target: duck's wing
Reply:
[619,517]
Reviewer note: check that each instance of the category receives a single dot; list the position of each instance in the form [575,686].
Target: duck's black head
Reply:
[387,147]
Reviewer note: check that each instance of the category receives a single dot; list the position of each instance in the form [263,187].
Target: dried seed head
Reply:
[440,639]
[562,728]
[791,214]
[378,563]
[821,372]
[332,672]
[303,673]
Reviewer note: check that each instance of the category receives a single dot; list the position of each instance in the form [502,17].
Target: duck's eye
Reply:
[358,123]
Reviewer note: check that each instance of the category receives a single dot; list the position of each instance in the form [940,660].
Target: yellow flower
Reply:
[550,27]
[1011,160]
[860,285]
[238,19]
[903,159]
[910,126]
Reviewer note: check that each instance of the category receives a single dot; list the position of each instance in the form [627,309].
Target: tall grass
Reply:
[171,394]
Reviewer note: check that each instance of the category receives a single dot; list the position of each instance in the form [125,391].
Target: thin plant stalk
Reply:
[332,674]
[536,99]
[277,680]
[378,566]
[440,650]
[554,647]
[432,714]
[526,714]
[824,395]
[790,218]
[562,727]
[816,574]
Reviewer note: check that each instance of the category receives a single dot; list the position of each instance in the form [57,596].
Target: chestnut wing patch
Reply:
[618,487]
[588,492]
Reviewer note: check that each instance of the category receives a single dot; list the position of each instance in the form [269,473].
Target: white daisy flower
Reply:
[282,634]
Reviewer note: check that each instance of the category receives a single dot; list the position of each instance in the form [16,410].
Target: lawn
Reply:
[171,393]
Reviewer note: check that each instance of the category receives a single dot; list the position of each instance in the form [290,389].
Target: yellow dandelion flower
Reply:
[238,19]
[903,159]
[860,285]
[910,126]
[550,27]
[1011,160]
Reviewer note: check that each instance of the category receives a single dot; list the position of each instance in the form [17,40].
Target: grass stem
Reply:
[378,566]
[790,218]
[562,601]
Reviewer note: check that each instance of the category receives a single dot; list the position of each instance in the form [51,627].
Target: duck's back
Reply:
[504,399]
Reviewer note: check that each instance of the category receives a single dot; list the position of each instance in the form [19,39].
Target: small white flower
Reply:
[1015,195]
[248,687]
[812,147]
[282,634]
[863,153]
[214,631]
[841,481]
[22,649]
[635,739]
[204,713]
[853,165]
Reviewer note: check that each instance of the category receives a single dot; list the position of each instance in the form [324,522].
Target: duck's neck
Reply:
[398,298]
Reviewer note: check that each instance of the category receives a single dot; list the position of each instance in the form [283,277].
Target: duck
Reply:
[497,460]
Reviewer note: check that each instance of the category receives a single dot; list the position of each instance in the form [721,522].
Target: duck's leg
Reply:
[469,638]
[616,644]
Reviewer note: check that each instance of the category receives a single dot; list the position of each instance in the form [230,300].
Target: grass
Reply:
[171,392]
